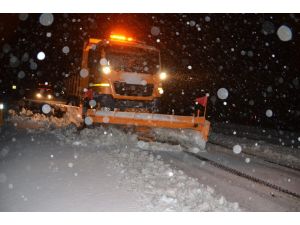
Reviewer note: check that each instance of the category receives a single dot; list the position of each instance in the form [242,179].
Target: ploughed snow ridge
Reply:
[160,187]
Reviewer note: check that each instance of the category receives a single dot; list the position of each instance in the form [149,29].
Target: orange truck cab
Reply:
[122,73]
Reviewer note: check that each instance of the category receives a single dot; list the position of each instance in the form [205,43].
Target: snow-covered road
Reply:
[251,196]
[254,166]
[45,168]
[41,174]
[100,169]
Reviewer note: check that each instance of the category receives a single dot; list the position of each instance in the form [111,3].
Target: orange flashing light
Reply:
[118,37]
[94,41]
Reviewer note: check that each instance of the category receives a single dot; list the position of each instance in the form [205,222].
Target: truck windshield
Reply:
[132,59]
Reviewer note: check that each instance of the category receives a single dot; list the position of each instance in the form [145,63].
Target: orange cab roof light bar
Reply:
[118,37]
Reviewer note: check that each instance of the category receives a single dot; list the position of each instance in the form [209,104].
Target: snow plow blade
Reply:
[189,131]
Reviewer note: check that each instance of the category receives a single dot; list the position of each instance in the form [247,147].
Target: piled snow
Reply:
[156,146]
[159,187]
[42,120]
[190,139]
[144,116]
[40,173]
[23,112]
[99,137]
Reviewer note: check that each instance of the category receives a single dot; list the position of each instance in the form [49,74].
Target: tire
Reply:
[155,106]
[106,101]
[73,101]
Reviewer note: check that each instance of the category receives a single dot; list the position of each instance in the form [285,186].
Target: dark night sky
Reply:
[239,52]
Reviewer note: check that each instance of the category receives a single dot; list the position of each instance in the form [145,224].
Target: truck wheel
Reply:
[106,101]
[72,101]
[154,106]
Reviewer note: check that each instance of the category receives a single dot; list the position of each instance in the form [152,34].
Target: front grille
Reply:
[123,88]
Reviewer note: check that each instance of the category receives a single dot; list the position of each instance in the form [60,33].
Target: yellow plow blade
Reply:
[188,130]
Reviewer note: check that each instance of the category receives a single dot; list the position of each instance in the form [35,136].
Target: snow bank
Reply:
[99,137]
[161,187]
[273,136]
[156,146]
[44,121]
[190,139]
[40,173]
[274,153]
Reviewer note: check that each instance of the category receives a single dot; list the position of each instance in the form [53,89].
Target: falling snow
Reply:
[254,57]
[92,103]
[237,149]
[269,113]
[3,178]
[66,49]
[21,74]
[155,31]
[222,93]
[103,62]
[84,73]
[105,119]
[46,19]
[41,56]
[88,120]
[284,33]
[46,108]
[23,16]
[207,19]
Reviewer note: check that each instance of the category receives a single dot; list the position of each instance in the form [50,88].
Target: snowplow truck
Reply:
[122,74]
[121,82]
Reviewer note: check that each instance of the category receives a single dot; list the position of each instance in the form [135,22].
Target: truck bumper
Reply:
[112,103]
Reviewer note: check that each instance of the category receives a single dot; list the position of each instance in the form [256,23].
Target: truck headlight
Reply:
[160,90]
[106,70]
[49,96]
[163,75]
[1,106]
[38,95]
